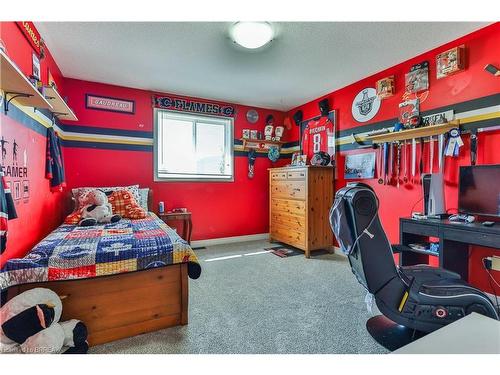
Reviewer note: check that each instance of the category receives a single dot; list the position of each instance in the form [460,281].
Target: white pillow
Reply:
[143,198]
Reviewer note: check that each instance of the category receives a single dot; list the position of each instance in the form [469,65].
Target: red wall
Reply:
[483,48]
[43,211]
[220,209]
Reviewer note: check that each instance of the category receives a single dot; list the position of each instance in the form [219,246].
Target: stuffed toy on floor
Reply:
[98,210]
[30,324]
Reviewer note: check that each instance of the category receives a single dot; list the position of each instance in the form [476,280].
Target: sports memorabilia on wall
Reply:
[253,134]
[298,159]
[417,79]
[450,62]
[319,135]
[273,153]
[36,67]
[365,105]
[104,103]
[268,132]
[32,35]
[385,87]
[252,116]
[194,106]
[360,166]
[246,134]
[408,110]
[278,133]
[252,155]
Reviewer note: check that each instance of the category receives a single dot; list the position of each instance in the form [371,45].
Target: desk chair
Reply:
[414,300]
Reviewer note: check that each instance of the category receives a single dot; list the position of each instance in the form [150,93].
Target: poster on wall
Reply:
[365,105]
[194,106]
[106,103]
[360,166]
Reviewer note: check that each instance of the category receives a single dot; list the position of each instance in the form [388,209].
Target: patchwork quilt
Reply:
[73,252]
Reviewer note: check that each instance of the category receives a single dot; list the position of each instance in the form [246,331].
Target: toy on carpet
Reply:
[97,210]
[30,324]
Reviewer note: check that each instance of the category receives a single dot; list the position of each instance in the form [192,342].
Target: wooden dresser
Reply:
[300,201]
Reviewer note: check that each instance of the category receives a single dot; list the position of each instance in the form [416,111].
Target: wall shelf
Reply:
[260,144]
[422,132]
[59,107]
[17,87]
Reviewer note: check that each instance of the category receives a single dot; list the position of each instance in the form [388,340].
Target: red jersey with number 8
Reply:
[315,138]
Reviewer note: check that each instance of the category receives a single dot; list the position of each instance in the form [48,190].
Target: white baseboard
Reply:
[226,240]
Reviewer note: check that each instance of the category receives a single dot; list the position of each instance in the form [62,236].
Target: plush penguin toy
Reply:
[98,210]
[30,324]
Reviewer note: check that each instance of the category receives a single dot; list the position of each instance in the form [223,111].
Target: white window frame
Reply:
[228,123]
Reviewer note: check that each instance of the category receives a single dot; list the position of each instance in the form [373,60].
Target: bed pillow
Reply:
[143,198]
[79,193]
[125,205]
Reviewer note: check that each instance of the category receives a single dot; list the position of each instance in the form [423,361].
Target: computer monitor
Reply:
[479,190]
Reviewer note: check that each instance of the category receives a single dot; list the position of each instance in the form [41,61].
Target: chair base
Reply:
[389,334]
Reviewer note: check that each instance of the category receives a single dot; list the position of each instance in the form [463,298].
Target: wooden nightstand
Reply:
[185,217]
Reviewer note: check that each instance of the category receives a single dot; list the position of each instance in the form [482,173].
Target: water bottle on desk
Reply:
[161,207]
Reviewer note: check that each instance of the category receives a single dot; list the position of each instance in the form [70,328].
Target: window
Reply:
[193,147]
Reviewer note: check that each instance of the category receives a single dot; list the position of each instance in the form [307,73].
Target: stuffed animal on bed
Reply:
[30,324]
[98,209]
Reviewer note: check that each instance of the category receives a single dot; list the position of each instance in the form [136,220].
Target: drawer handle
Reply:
[296,189]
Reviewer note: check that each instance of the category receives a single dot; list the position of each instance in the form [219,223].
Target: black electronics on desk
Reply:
[479,190]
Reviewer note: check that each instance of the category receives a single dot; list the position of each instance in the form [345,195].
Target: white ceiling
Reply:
[306,60]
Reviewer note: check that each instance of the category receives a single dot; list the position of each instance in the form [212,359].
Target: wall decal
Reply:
[105,103]
[195,106]
[365,105]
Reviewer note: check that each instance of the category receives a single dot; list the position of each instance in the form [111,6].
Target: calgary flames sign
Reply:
[31,33]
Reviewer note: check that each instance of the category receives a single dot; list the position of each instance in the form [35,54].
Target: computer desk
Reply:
[454,240]
[473,334]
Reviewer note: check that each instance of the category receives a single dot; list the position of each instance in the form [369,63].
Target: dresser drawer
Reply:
[296,175]
[288,236]
[278,175]
[288,206]
[286,220]
[289,190]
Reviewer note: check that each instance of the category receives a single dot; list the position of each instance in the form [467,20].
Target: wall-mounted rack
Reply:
[423,132]
[260,144]
[59,107]
[16,86]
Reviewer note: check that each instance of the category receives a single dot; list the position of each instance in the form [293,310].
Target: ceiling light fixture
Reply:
[252,35]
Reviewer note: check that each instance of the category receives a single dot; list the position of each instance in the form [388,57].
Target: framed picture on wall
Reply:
[450,62]
[360,166]
[106,103]
[36,67]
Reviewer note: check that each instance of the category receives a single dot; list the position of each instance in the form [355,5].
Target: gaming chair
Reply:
[415,300]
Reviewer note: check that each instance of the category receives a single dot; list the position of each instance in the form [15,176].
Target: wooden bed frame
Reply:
[124,305]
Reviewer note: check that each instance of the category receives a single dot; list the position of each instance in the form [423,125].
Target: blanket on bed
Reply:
[73,252]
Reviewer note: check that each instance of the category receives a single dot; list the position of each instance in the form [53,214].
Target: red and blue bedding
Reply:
[74,252]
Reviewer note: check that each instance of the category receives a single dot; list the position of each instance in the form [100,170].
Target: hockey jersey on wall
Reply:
[319,135]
